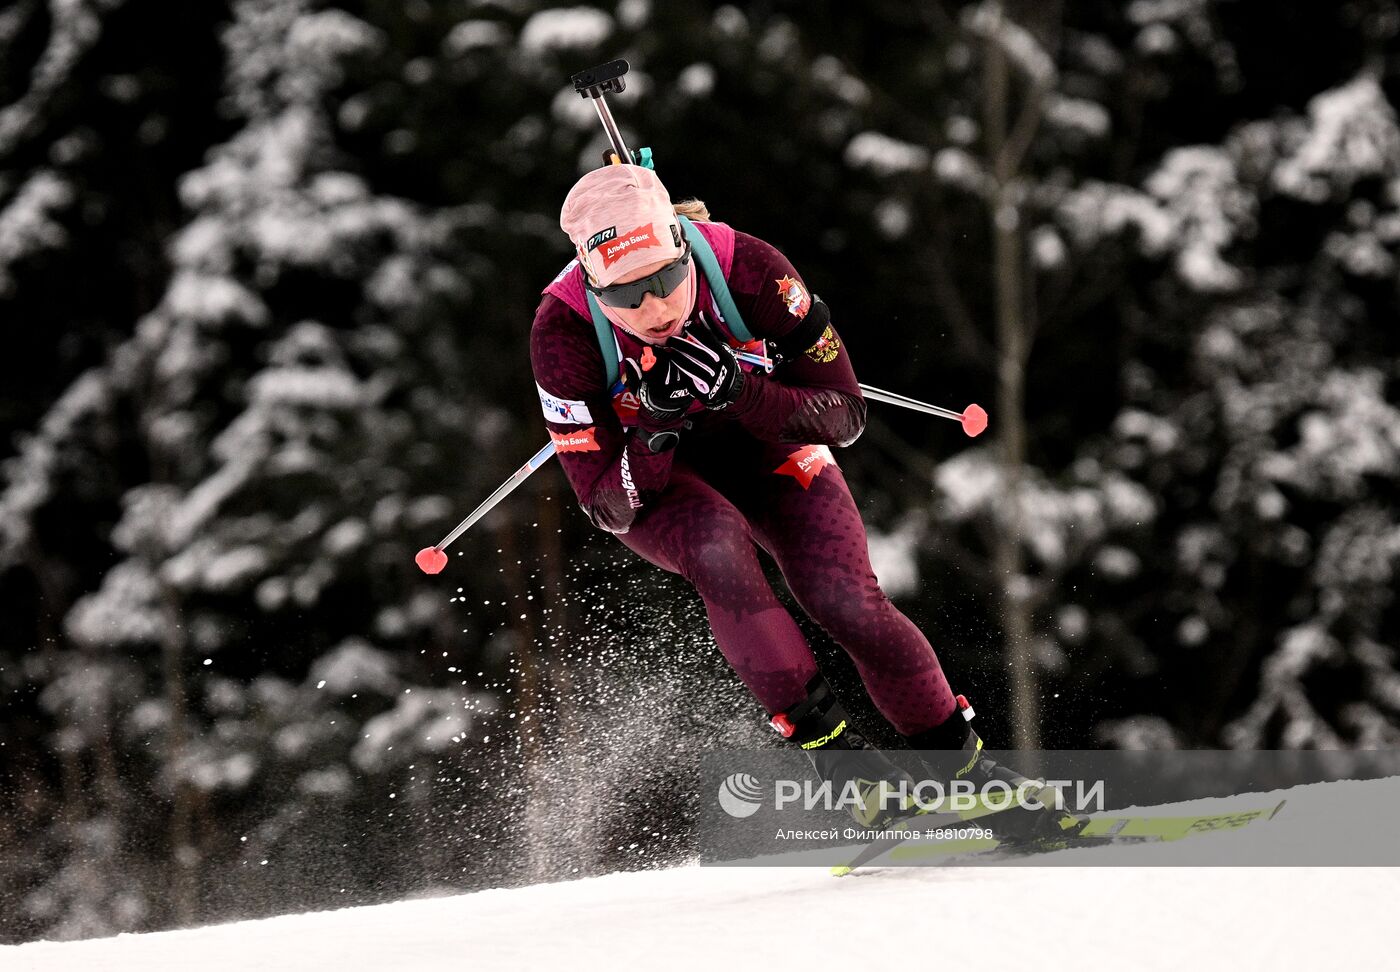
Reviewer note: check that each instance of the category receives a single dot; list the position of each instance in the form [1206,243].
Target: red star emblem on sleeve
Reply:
[806,464]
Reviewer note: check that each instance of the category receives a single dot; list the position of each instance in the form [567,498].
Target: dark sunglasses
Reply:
[661,283]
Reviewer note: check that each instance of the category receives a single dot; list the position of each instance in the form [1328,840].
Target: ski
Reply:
[1098,831]
[928,823]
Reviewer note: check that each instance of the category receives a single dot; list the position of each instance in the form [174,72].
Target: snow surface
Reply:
[1139,918]
[1121,917]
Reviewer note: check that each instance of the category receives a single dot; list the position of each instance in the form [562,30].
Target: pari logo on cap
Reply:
[598,239]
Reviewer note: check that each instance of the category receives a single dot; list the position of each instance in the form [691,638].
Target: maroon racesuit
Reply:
[757,472]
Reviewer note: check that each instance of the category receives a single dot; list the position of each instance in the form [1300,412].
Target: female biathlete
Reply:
[698,458]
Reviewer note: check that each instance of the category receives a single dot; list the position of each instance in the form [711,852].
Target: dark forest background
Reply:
[267,271]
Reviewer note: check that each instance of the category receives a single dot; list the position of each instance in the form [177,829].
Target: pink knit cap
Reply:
[620,219]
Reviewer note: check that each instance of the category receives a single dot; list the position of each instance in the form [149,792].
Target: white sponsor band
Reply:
[563,411]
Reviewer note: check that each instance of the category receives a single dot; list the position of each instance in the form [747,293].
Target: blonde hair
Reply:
[692,209]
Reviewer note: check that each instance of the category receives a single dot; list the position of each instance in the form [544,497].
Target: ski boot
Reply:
[843,759]
[953,751]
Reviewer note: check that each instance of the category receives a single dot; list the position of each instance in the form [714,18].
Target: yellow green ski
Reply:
[1096,831]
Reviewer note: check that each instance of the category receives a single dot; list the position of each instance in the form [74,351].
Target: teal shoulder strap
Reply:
[606,342]
[719,287]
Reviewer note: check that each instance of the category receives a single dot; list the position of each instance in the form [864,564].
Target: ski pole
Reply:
[431,560]
[973,419]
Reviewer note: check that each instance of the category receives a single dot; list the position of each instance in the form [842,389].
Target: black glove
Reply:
[708,365]
[661,389]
